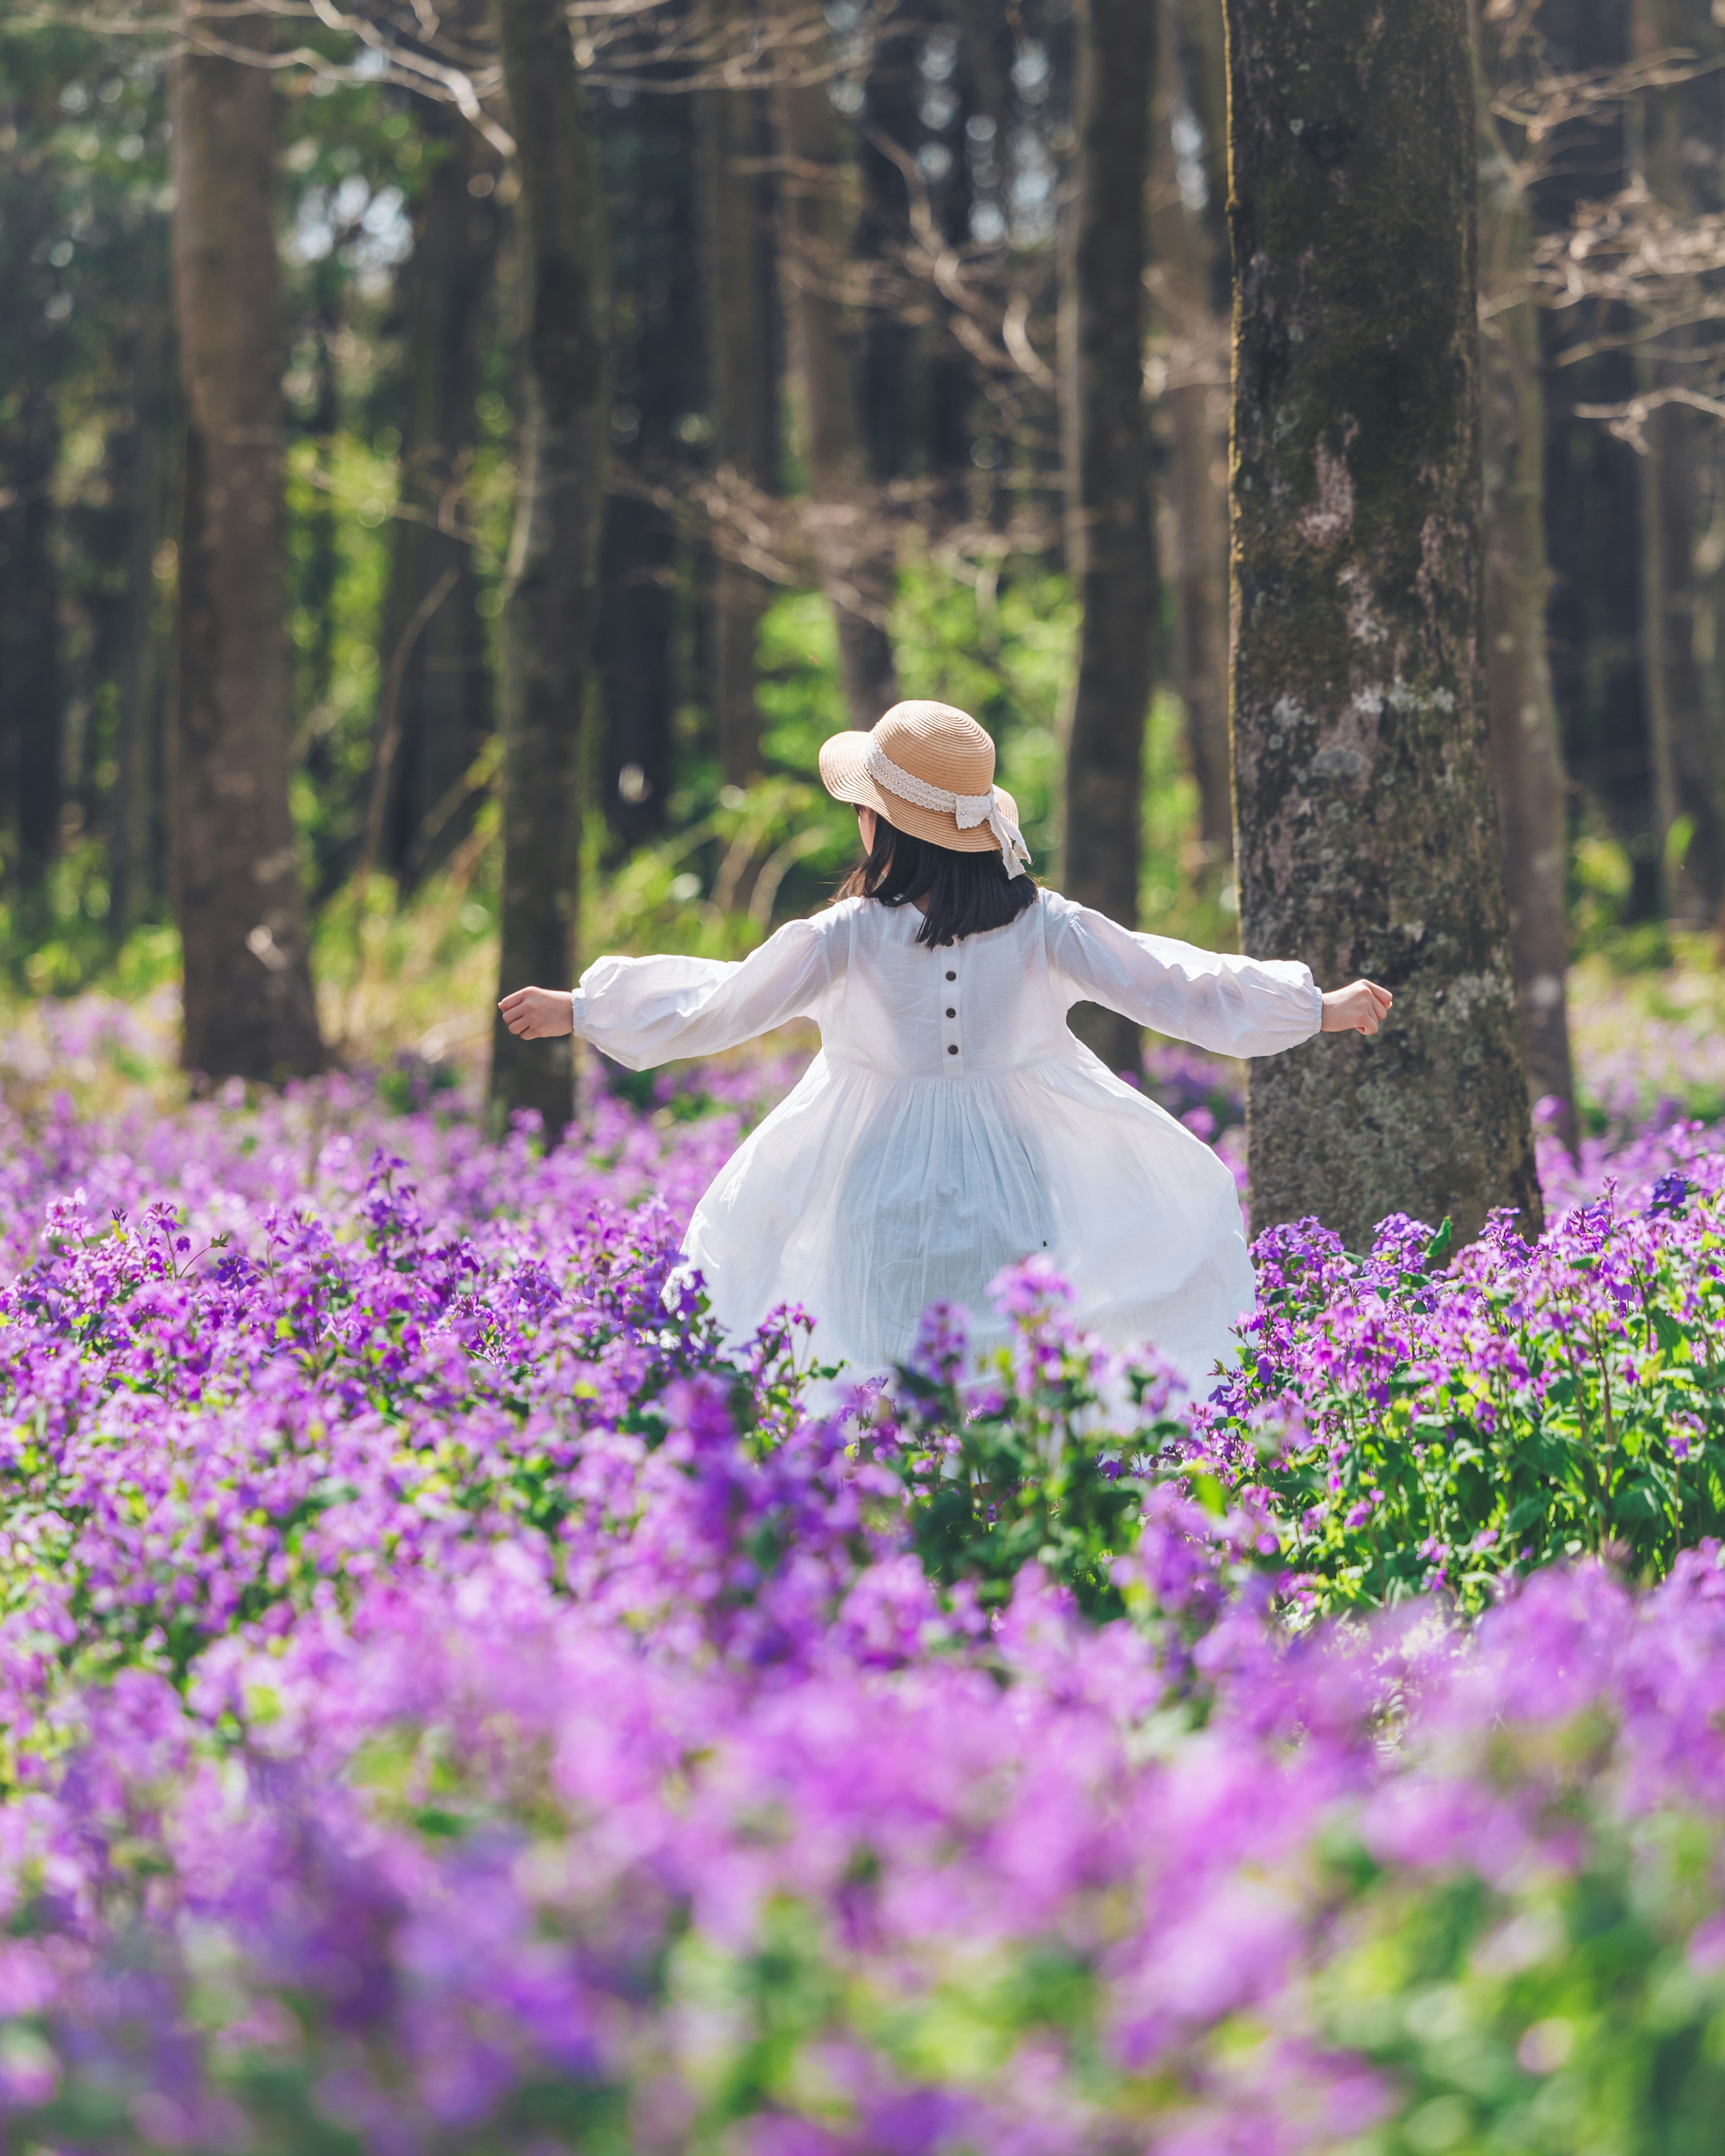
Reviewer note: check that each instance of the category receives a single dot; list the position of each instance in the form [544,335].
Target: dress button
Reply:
[953,1049]
[950,1013]
[952,977]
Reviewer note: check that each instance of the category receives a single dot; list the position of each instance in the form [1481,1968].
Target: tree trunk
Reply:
[742,395]
[1684,730]
[248,1007]
[636,661]
[1526,758]
[1185,285]
[1593,492]
[854,552]
[435,707]
[549,614]
[1110,535]
[30,697]
[1369,840]
[34,355]
[891,399]
[135,843]
[648,157]
[1687,752]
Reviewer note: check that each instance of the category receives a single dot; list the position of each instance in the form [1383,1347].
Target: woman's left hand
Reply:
[1360,1008]
[538,1013]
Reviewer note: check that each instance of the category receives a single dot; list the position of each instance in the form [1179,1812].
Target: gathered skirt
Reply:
[865,1198]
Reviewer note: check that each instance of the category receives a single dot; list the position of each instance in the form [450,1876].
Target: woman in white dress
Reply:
[951,1123]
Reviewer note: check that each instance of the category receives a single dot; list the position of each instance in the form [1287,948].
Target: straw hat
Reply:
[929,770]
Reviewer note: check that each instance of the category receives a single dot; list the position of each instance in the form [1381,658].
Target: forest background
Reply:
[826,374]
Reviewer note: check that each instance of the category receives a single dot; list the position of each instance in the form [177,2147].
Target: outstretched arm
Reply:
[1232,1006]
[645,1011]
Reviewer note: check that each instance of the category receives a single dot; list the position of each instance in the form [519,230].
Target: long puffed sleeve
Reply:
[1232,1006]
[644,1011]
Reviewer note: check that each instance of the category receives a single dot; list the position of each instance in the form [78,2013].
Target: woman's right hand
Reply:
[538,1013]
[1360,1008]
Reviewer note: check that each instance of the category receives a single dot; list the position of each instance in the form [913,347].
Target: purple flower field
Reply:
[454,1701]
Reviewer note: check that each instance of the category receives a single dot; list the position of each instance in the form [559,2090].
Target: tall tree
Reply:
[1185,241]
[32,356]
[248,1007]
[1526,756]
[917,386]
[1593,479]
[646,158]
[31,695]
[135,848]
[854,552]
[1111,536]
[743,392]
[549,612]
[889,394]
[1687,739]
[1368,839]
[434,709]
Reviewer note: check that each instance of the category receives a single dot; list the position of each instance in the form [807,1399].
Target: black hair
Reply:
[961,893]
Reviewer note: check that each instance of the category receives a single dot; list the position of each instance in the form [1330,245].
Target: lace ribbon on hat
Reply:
[968,810]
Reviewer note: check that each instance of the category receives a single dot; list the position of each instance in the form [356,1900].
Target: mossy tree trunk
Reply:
[1526,756]
[549,612]
[853,548]
[736,260]
[1368,836]
[1110,535]
[248,1007]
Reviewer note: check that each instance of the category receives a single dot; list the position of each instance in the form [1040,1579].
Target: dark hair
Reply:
[963,894]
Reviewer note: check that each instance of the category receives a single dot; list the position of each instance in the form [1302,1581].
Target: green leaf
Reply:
[1438,1249]
[1641,1500]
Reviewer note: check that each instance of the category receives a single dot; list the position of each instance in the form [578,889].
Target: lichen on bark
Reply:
[1367,820]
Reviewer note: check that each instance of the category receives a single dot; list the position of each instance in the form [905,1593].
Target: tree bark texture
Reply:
[1526,759]
[1685,732]
[852,545]
[1368,840]
[1111,538]
[434,711]
[1183,289]
[549,613]
[248,1007]
[734,146]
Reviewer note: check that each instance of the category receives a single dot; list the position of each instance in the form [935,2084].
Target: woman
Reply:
[951,1123]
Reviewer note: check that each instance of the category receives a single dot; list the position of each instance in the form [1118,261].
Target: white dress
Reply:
[952,1124]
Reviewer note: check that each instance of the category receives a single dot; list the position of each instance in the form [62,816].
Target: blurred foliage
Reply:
[1552,2015]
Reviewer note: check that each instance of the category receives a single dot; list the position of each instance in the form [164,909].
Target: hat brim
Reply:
[843,774]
